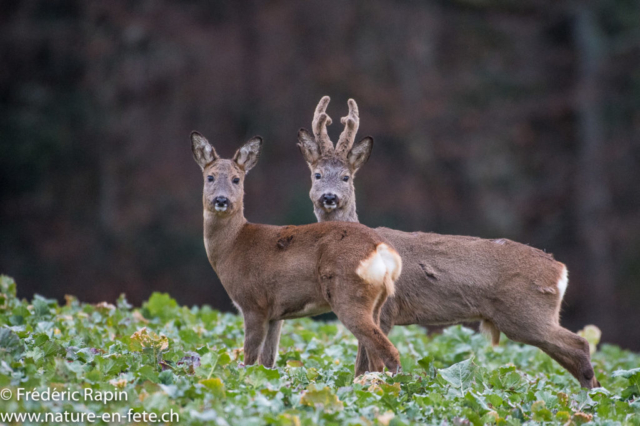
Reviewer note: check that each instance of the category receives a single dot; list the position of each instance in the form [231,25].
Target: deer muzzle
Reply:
[329,201]
[221,204]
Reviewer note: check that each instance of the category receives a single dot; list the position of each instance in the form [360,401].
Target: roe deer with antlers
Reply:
[274,273]
[509,287]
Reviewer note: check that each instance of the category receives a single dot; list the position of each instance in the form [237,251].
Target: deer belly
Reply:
[304,309]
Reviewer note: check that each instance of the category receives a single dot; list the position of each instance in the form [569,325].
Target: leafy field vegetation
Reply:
[166,358]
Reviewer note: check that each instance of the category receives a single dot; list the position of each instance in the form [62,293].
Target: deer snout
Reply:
[221,203]
[329,201]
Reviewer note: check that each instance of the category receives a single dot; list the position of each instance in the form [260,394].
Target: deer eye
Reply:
[210,178]
[318,176]
[236,180]
[345,178]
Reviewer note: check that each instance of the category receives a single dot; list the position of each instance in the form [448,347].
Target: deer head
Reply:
[224,179]
[333,169]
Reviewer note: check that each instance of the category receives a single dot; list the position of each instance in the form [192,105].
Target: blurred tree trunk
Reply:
[593,196]
[100,83]
[247,15]
[411,44]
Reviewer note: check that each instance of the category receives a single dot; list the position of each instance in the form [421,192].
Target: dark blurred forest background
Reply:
[492,118]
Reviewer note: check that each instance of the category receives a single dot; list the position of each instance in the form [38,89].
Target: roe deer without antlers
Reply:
[509,287]
[274,273]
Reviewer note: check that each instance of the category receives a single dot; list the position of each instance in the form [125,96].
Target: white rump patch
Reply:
[382,267]
[563,281]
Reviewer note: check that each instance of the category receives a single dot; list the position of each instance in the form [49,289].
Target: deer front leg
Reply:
[270,347]
[255,331]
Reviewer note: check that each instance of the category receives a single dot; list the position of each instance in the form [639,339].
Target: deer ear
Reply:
[308,146]
[203,152]
[247,156]
[359,153]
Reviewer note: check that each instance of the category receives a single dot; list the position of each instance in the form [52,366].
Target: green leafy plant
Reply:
[165,357]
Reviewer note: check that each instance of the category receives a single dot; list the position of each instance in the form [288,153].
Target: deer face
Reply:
[333,172]
[333,168]
[331,183]
[223,191]
[223,187]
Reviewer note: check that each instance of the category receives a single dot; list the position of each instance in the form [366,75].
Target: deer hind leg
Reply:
[568,349]
[377,345]
[356,312]
[572,352]
[383,321]
[489,329]
[362,360]
[269,350]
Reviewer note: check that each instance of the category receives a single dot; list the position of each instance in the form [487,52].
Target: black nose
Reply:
[329,199]
[221,201]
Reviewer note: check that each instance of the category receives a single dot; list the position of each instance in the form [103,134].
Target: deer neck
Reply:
[220,234]
[344,214]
